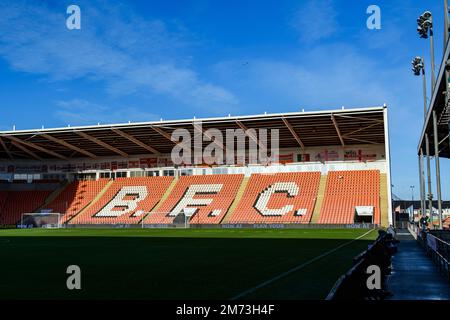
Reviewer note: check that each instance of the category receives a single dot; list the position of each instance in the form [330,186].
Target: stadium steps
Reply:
[166,195]
[415,277]
[54,195]
[319,200]
[384,206]
[236,201]
[97,197]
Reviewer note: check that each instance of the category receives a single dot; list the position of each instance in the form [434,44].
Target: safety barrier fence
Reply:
[353,285]
[436,248]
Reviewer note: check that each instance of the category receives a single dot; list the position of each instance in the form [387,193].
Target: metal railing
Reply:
[352,285]
[414,230]
[436,248]
[439,251]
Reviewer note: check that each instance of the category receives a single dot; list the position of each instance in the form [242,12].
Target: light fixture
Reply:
[424,23]
[417,65]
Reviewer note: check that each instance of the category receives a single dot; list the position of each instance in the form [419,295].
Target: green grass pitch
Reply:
[175,263]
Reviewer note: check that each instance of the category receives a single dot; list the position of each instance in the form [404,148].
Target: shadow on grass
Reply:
[170,268]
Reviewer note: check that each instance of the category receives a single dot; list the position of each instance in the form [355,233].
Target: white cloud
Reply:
[332,75]
[327,76]
[115,46]
[315,20]
[83,112]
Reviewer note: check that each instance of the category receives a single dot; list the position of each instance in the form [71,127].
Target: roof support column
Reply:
[430,193]
[438,169]
[337,130]
[422,184]
[446,23]
[6,149]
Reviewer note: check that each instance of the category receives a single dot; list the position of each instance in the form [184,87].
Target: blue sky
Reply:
[146,60]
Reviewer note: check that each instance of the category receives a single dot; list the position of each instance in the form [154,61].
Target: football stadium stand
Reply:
[125,201]
[347,189]
[15,203]
[75,197]
[286,197]
[333,168]
[278,198]
[212,195]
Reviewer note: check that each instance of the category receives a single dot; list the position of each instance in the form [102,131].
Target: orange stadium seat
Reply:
[446,224]
[76,196]
[347,189]
[212,195]
[278,198]
[126,201]
[12,204]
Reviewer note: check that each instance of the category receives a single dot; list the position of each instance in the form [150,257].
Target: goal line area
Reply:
[167,219]
[40,220]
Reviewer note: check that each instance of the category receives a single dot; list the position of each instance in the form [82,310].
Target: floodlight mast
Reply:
[418,68]
[423,205]
[437,167]
[425,30]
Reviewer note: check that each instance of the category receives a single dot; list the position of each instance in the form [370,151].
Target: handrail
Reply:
[439,251]
[352,284]
[439,239]
[412,228]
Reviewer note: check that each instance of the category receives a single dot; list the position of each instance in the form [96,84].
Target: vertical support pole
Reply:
[433,79]
[438,169]
[424,85]
[429,194]
[422,184]
[445,22]
[391,218]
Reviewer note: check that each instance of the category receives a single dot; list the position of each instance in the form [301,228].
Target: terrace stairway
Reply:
[414,276]
[97,197]
[54,195]
[166,195]
[236,201]
[319,199]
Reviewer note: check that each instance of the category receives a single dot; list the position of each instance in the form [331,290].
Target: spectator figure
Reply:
[423,223]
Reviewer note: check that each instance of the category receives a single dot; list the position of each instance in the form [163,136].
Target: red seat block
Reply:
[347,189]
[76,196]
[126,201]
[278,198]
[212,195]
[14,203]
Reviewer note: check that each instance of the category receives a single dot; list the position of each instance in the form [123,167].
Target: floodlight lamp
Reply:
[417,64]
[427,24]
[424,22]
[426,15]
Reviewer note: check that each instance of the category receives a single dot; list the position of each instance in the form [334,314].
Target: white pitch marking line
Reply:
[296,268]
